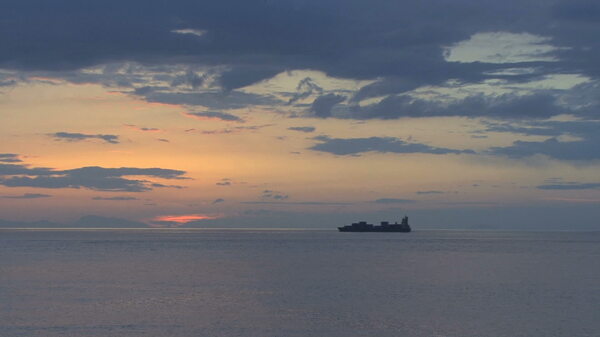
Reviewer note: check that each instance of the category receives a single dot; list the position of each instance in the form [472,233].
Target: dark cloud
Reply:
[387,86]
[216,115]
[508,106]
[211,100]
[304,89]
[574,24]
[115,198]
[8,83]
[430,192]
[553,148]
[399,44]
[157,185]
[27,196]
[217,201]
[323,104]
[239,77]
[92,177]
[402,40]
[275,195]
[569,186]
[577,10]
[256,212]
[525,130]
[355,146]
[585,147]
[9,158]
[393,201]
[190,79]
[302,128]
[306,203]
[144,129]
[224,182]
[20,169]
[73,137]
[255,38]
[236,129]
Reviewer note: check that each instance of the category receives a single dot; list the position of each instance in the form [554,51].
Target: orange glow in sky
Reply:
[181,219]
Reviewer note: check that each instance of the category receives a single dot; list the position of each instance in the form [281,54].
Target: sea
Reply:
[298,283]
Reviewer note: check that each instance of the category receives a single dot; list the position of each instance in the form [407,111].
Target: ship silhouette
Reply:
[385,226]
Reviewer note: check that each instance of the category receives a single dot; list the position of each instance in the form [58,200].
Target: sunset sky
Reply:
[459,114]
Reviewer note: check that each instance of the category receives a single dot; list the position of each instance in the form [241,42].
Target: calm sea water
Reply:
[298,283]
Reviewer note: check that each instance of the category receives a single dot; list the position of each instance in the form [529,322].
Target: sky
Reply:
[460,114]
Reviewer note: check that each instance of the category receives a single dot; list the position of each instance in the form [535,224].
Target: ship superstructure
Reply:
[385,226]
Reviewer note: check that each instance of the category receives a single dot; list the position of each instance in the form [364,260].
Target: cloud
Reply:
[394,201]
[305,88]
[429,192]
[208,56]
[224,182]
[205,56]
[216,115]
[275,195]
[74,137]
[242,76]
[508,106]
[91,177]
[211,100]
[9,158]
[569,186]
[217,201]
[255,40]
[502,47]
[525,130]
[576,150]
[323,104]
[584,144]
[306,203]
[306,129]
[355,146]
[20,169]
[236,129]
[190,79]
[301,36]
[27,196]
[143,129]
[195,32]
[115,198]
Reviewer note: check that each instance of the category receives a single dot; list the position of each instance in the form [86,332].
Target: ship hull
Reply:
[375,230]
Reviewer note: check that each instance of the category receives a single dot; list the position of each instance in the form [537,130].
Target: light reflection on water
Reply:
[298,283]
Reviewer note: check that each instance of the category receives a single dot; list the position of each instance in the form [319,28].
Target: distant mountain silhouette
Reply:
[34,224]
[87,221]
[96,221]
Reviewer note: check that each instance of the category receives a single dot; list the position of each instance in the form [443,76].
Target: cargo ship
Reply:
[385,226]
